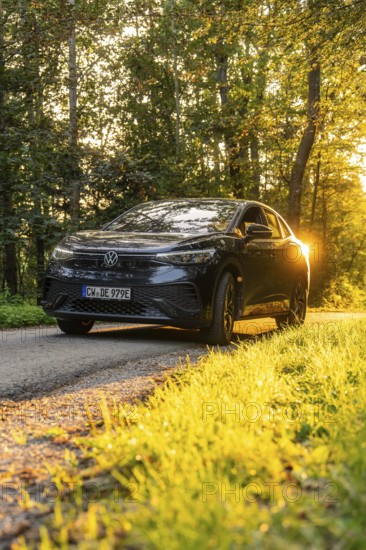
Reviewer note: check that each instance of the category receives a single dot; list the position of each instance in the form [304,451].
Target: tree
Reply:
[8,164]
[74,170]
[306,145]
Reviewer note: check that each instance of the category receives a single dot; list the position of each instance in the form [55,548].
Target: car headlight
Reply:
[62,253]
[189,257]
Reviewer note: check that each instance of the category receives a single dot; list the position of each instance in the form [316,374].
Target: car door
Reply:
[258,266]
[278,284]
[292,254]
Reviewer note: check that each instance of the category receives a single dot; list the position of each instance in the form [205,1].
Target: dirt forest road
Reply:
[35,361]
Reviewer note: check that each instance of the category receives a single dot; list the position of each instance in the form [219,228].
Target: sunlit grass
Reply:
[265,448]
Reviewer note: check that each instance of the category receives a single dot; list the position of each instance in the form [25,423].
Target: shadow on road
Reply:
[244,331]
[39,362]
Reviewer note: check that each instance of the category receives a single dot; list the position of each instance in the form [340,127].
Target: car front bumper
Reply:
[179,296]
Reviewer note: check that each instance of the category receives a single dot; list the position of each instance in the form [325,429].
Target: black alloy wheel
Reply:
[298,306]
[221,330]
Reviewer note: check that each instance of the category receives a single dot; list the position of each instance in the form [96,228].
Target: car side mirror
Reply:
[257,231]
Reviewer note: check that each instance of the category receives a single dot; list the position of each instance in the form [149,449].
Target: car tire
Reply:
[221,329]
[298,305]
[75,327]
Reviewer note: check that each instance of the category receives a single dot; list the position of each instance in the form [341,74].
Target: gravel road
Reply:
[34,361]
[37,360]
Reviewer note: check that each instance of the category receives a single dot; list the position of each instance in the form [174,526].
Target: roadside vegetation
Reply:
[342,294]
[16,311]
[263,447]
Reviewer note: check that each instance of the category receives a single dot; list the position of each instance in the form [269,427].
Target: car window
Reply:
[252,215]
[273,224]
[285,230]
[205,216]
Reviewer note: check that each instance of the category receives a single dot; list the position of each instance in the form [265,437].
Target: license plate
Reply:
[106,292]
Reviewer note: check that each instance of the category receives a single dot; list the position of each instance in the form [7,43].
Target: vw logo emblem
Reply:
[110,258]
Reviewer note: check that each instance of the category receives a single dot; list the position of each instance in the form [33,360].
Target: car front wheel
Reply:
[221,330]
[298,305]
[75,327]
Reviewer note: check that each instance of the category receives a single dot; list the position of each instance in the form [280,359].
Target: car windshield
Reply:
[177,217]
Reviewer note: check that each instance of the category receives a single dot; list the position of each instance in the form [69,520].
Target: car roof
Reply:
[239,202]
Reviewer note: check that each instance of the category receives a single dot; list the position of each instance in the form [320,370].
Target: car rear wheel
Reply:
[298,306]
[221,330]
[75,327]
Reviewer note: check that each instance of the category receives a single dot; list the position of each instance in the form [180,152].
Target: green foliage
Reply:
[6,298]
[261,448]
[113,185]
[17,314]
[176,99]
[342,294]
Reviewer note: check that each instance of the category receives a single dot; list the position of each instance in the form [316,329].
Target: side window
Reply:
[273,224]
[252,215]
[285,230]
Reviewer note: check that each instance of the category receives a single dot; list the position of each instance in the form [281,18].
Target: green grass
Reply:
[263,448]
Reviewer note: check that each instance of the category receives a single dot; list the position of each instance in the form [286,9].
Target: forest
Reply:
[106,103]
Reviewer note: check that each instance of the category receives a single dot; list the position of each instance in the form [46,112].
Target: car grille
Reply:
[142,304]
[126,263]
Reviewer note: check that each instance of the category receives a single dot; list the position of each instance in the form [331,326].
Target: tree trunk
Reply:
[10,254]
[236,149]
[74,172]
[356,251]
[40,263]
[256,175]
[221,77]
[315,192]
[30,51]
[306,144]
[260,81]
[176,81]
[6,191]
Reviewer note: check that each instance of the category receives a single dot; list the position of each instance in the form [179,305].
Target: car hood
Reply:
[133,242]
